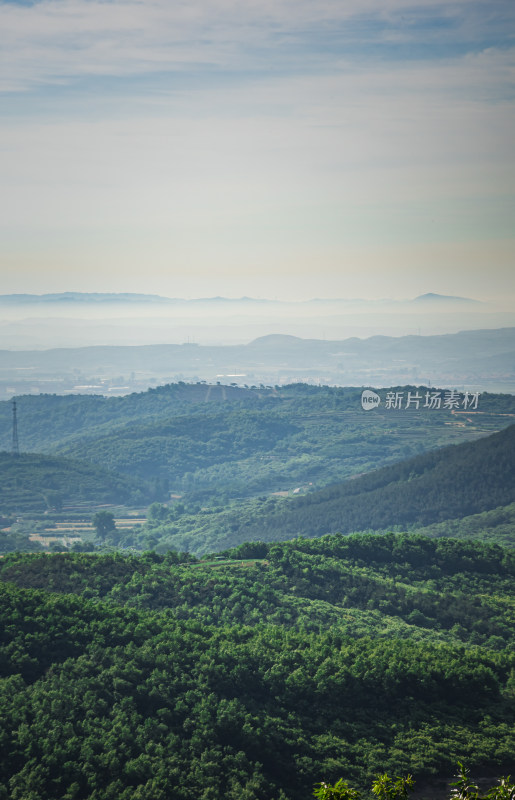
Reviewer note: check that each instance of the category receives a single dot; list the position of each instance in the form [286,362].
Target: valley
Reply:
[214,467]
[285,588]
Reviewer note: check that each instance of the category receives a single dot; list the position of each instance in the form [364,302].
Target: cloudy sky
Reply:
[281,148]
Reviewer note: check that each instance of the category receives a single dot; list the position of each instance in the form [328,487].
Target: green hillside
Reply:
[47,420]
[153,677]
[213,442]
[395,585]
[442,492]
[496,526]
[35,483]
[448,483]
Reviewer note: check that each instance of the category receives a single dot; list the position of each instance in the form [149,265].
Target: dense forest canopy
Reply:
[162,676]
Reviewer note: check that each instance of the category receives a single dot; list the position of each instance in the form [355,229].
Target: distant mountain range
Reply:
[81,297]
[480,359]
[129,297]
[82,319]
[431,297]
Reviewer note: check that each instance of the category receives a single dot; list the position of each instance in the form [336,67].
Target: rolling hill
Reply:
[447,484]
[209,442]
[35,483]
[156,677]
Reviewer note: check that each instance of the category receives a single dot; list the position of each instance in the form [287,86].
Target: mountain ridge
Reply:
[131,297]
[453,481]
[432,297]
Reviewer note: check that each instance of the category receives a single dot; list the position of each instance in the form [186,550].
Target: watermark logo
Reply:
[369,400]
[449,400]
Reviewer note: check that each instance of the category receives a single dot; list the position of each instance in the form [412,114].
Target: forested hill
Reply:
[32,482]
[48,419]
[451,482]
[395,585]
[153,677]
[225,441]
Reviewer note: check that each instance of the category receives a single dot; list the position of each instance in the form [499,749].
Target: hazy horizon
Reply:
[358,149]
[42,324]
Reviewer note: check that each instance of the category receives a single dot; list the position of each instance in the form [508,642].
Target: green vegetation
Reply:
[447,485]
[103,522]
[254,673]
[31,483]
[228,453]
[387,788]
[162,676]
[215,443]
[461,490]
[383,787]
[497,525]
[402,586]
[17,542]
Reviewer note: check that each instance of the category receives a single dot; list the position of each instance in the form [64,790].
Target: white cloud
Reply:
[57,40]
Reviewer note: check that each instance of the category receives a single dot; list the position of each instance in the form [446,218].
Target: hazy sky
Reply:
[280,148]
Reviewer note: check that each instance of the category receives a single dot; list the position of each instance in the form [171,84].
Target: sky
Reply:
[282,148]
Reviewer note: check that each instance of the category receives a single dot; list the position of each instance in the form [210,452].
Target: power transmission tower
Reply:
[15,447]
